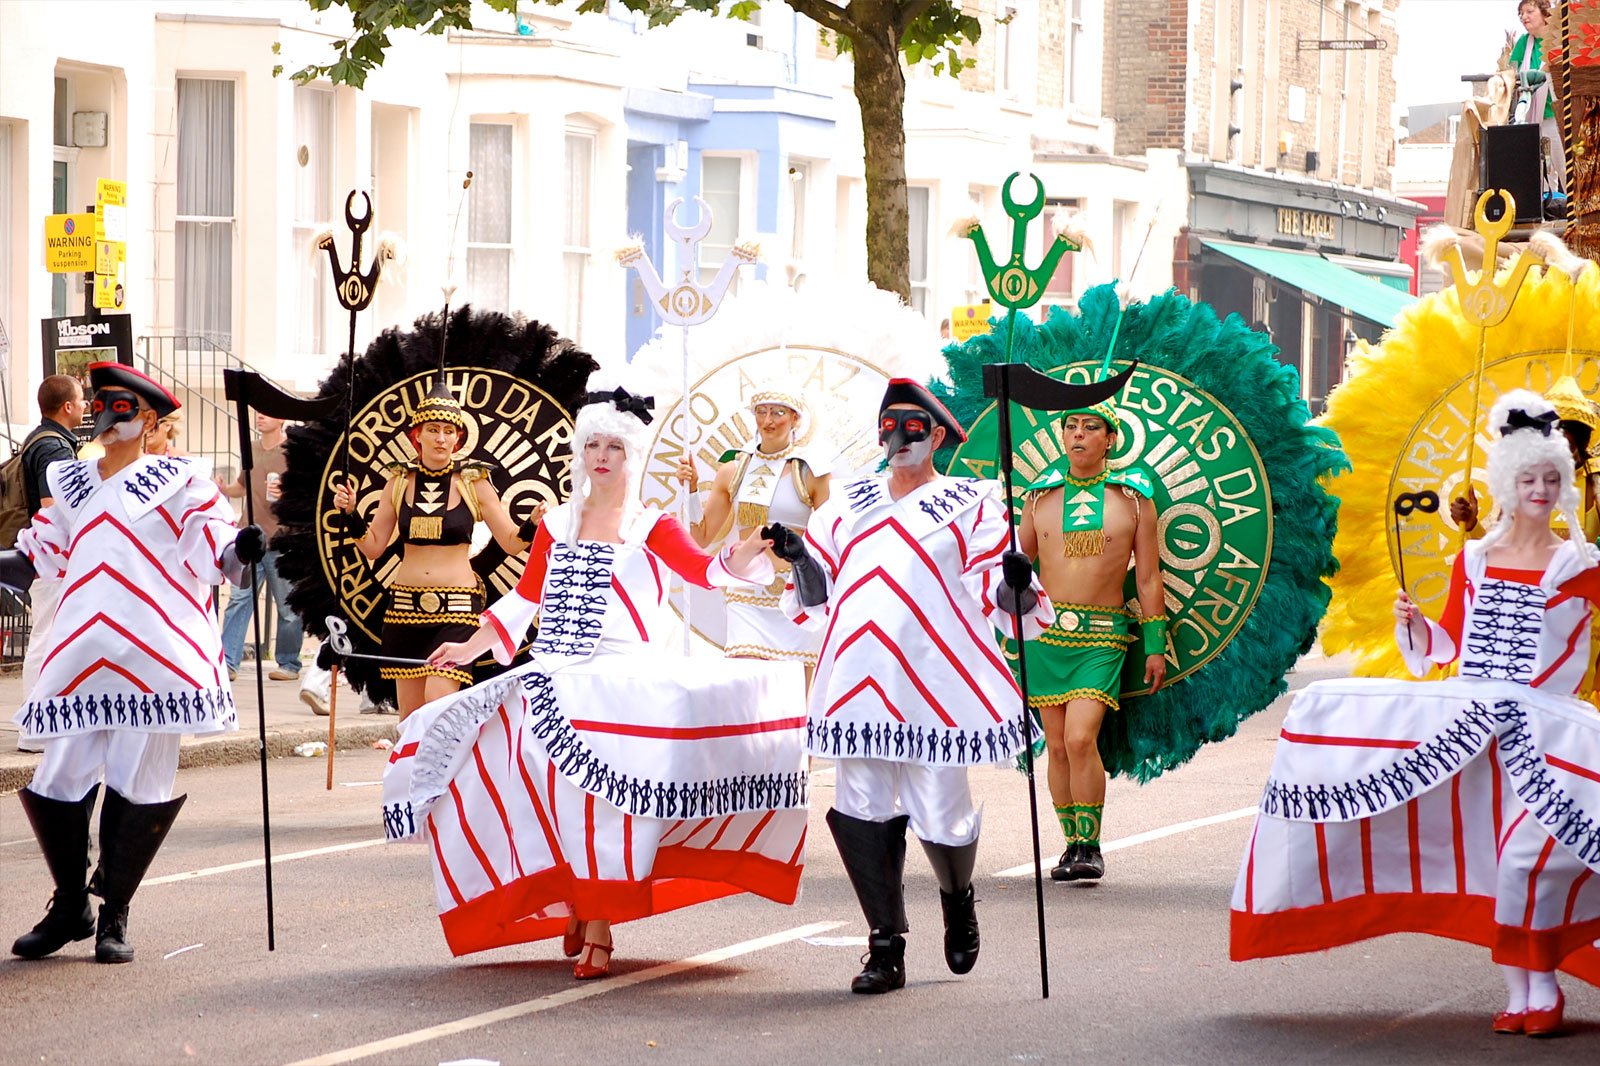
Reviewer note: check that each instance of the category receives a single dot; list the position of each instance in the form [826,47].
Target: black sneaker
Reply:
[1090,865]
[884,967]
[1062,871]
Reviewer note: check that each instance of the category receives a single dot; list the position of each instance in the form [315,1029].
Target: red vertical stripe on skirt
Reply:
[1533,880]
[1414,838]
[588,834]
[627,845]
[472,839]
[444,867]
[726,822]
[1366,855]
[1494,763]
[1572,896]
[550,790]
[1500,847]
[1322,862]
[500,807]
[750,837]
[538,805]
[1457,835]
[798,848]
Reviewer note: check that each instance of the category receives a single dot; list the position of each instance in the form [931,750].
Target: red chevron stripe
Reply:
[883,638]
[96,667]
[104,568]
[135,641]
[867,682]
[132,541]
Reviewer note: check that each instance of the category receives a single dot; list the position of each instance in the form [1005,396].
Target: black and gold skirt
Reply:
[422,617]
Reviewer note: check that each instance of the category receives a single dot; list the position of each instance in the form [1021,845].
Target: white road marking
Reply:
[559,999]
[180,951]
[14,843]
[1147,837]
[256,864]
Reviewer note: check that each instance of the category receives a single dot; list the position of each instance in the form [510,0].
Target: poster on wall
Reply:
[73,342]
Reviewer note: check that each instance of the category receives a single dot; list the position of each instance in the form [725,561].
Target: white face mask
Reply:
[914,454]
[122,431]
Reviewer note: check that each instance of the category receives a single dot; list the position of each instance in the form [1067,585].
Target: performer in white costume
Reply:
[772,478]
[1465,808]
[610,779]
[135,658]
[903,575]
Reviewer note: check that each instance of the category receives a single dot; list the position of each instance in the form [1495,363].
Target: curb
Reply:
[233,748]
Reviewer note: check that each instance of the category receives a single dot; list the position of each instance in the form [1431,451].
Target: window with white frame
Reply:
[576,249]
[1060,213]
[799,191]
[722,188]
[918,199]
[1077,55]
[489,216]
[63,165]
[1006,47]
[205,220]
[8,323]
[754,35]
[313,211]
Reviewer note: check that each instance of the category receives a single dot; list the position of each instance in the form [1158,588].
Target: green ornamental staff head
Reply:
[1011,284]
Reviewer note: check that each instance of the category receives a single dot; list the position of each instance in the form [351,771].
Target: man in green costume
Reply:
[1082,523]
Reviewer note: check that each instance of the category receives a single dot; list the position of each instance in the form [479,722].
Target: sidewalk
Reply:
[289,723]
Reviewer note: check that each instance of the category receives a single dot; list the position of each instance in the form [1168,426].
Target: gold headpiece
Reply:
[781,396]
[439,406]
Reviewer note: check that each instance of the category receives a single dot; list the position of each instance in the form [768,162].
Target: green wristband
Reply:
[1154,633]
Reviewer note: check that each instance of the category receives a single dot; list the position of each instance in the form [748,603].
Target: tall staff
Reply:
[686,304]
[251,392]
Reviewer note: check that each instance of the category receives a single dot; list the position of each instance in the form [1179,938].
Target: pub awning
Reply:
[1360,295]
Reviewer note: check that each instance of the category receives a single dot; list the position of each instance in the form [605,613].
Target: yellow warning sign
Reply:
[110,210]
[69,243]
[970,320]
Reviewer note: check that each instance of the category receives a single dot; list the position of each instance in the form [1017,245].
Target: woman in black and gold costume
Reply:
[432,506]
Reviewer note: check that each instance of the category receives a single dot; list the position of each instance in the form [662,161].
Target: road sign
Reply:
[970,320]
[69,243]
[110,210]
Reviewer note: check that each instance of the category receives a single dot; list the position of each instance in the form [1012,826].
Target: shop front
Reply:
[1314,265]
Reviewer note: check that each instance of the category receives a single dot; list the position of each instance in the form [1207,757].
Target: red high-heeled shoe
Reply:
[1509,1023]
[572,941]
[585,968]
[1546,1022]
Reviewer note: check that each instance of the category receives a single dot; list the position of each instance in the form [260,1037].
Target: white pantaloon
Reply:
[937,799]
[141,766]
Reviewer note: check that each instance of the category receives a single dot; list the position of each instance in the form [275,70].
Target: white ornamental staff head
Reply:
[687,303]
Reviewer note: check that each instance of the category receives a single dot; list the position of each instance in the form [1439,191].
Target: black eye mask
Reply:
[896,429]
[111,406]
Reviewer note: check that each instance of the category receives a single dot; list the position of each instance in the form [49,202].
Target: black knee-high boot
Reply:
[130,836]
[62,829]
[953,867]
[874,855]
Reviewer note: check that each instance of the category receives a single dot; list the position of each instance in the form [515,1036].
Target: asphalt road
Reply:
[1138,964]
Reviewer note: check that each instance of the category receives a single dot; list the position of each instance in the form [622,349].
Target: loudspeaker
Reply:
[1510,161]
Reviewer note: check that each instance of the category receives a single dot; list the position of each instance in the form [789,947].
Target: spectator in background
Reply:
[163,440]
[61,408]
[265,488]
[1528,55]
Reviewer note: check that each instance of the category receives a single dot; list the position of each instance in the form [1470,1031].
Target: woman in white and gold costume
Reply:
[771,478]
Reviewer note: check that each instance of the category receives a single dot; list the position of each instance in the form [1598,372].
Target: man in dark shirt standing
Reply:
[61,406]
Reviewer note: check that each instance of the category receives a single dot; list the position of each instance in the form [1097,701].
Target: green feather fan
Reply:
[1239,370]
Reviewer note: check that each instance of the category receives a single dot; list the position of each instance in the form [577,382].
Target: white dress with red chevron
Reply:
[135,643]
[1467,808]
[909,669]
[611,778]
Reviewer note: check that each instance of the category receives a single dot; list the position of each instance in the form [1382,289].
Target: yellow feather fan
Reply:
[1404,415]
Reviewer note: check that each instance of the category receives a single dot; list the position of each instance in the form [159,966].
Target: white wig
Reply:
[605,419]
[1522,448]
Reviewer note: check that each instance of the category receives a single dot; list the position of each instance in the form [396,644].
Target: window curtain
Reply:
[580,171]
[313,211]
[489,216]
[205,220]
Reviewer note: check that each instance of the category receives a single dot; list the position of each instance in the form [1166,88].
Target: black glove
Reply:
[16,570]
[786,543]
[351,523]
[1017,569]
[809,581]
[250,545]
[527,531]
[1016,595]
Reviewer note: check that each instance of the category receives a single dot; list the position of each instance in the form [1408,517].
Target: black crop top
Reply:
[428,518]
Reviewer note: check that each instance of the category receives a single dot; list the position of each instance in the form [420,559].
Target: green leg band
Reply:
[1067,815]
[1089,822]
